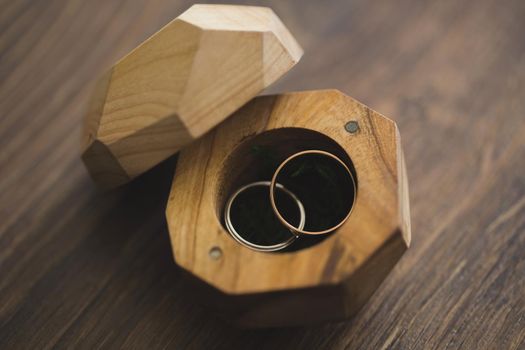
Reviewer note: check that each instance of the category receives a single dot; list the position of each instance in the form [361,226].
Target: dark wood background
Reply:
[85,269]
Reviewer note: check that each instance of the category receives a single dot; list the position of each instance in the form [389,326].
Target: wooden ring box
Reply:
[203,69]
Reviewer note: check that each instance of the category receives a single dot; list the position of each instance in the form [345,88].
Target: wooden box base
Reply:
[327,280]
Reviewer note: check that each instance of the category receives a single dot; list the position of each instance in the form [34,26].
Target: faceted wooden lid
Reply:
[180,83]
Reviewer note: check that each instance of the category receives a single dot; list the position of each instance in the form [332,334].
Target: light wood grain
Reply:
[179,83]
[378,219]
[82,269]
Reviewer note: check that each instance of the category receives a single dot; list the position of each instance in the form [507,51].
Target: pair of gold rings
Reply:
[311,193]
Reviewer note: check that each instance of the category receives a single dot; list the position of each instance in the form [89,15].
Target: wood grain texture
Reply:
[83,269]
[179,83]
[372,239]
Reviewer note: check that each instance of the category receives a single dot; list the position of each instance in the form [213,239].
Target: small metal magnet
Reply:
[352,126]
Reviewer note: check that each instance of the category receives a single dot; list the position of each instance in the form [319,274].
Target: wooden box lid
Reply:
[180,83]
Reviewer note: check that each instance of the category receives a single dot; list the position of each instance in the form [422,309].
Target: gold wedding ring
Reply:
[351,192]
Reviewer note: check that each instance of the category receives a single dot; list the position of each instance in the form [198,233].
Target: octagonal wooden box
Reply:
[328,280]
[171,92]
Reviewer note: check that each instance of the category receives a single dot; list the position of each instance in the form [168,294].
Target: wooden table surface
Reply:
[85,269]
